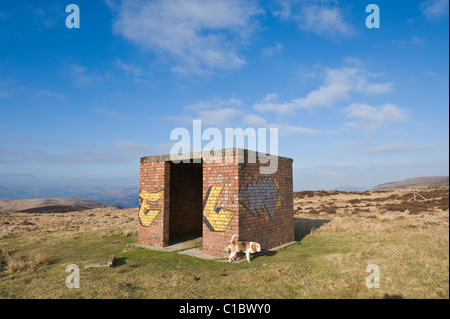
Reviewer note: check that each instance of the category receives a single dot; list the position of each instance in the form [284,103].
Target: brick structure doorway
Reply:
[186,196]
[214,199]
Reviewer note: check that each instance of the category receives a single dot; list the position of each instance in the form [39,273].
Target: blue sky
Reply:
[354,106]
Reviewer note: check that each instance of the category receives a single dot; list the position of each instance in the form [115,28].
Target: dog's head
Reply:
[256,247]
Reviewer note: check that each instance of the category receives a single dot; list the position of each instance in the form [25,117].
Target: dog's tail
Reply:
[232,239]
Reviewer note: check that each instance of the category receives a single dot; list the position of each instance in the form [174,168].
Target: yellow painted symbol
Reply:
[216,218]
[146,214]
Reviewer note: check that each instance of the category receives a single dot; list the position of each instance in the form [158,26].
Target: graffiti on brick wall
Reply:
[260,196]
[146,200]
[216,218]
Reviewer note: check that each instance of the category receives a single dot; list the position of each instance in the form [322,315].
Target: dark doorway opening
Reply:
[186,201]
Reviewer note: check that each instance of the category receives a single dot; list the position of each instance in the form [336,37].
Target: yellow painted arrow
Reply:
[146,214]
[216,218]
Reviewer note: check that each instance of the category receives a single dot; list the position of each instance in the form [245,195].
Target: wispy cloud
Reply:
[338,86]
[285,129]
[80,75]
[413,40]
[403,147]
[96,156]
[132,69]
[119,152]
[108,112]
[270,51]
[320,17]
[220,117]
[48,93]
[199,35]
[214,112]
[434,9]
[133,147]
[367,117]
[222,113]
[213,103]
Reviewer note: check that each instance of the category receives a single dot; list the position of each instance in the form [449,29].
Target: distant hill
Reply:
[127,197]
[417,182]
[349,188]
[50,205]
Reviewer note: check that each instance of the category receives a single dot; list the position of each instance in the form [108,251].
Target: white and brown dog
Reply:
[247,247]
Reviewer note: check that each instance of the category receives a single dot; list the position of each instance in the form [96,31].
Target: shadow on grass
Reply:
[304,226]
[241,256]
[120,261]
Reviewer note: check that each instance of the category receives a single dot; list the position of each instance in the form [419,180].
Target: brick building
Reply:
[215,197]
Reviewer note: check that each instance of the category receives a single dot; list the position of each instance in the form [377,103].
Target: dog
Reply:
[247,247]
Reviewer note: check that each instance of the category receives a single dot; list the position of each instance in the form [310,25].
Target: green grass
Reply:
[325,264]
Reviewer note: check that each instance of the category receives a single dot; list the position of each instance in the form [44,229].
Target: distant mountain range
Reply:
[417,182]
[127,197]
[349,188]
[49,205]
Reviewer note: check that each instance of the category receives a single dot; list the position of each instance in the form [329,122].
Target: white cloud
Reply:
[108,112]
[287,129]
[95,156]
[128,67]
[218,117]
[413,40]
[132,69]
[49,93]
[434,9]
[338,86]
[213,103]
[81,76]
[270,51]
[133,147]
[200,35]
[216,112]
[402,147]
[368,117]
[324,20]
[256,121]
[318,17]
[222,113]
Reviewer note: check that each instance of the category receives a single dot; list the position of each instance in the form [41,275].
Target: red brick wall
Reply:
[237,199]
[154,177]
[220,192]
[266,213]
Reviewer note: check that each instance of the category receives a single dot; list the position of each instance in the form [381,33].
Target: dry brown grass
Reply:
[380,212]
[18,263]
[76,221]
[408,239]
[340,234]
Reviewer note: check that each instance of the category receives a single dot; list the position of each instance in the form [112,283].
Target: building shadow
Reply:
[304,226]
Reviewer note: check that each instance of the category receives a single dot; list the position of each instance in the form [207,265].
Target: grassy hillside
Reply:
[339,234]
[417,182]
